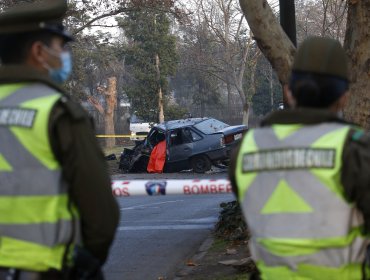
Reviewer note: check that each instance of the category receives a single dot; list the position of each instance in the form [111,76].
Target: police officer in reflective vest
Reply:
[57,213]
[302,178]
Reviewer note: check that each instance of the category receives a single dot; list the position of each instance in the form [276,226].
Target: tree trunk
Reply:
[229,99]
[357,45]
[160,93]
[246,113]
[270,37]
[111,100]
[202,101]
[271,89]
[227,55]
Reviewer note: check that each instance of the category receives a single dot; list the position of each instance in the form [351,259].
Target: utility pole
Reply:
[287,19]
[287,22]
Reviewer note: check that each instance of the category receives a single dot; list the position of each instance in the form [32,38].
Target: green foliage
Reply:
[93,62]
[262,99]
[174,112]
[148,32]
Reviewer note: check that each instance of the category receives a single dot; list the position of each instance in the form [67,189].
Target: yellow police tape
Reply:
[120,136]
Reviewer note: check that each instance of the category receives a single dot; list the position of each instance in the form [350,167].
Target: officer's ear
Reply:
[37,55]
[343,100]
[339,105]
[288,96]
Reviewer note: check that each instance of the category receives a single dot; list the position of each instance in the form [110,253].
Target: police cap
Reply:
[321,55]
[46,15]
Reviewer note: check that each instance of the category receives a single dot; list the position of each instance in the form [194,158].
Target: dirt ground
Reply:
[221,260]
[205,264]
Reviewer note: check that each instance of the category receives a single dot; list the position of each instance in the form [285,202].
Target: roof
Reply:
[180,123]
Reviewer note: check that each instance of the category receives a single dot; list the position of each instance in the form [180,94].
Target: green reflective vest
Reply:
[302,227]
[37,219]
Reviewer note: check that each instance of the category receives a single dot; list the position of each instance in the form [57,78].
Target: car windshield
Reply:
[210,126]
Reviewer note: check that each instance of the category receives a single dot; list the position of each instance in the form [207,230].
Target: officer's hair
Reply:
[14,48]
[316,90]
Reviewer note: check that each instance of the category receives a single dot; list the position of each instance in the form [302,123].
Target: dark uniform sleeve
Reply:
[356,172]
[232,169]
[76,148]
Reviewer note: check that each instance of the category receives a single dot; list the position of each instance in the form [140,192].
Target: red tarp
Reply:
[157,158]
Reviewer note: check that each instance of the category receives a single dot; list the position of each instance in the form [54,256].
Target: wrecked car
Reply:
[194,143]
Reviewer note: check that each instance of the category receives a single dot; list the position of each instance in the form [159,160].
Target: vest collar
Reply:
[301,116]
[23,73]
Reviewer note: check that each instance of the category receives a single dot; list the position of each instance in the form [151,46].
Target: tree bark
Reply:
[246,113]
[271,89]
[357,45]
[110,95]
[202,97]
[160,93]
[229,99]
[111,100]
[270,37]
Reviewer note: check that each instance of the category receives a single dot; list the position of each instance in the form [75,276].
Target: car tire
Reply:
[200,164]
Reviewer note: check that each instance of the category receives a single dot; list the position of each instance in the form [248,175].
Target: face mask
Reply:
[61,74]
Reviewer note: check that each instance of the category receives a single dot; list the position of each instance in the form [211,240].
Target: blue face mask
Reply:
[61,75]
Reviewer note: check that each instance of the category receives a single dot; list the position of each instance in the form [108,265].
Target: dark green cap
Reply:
[322,56]
[45,15]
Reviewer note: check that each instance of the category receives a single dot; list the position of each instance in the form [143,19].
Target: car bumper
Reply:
[222,154]
[219,154]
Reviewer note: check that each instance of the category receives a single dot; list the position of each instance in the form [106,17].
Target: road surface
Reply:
[158,234]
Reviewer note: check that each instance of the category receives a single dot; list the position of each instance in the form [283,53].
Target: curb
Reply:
[199,255]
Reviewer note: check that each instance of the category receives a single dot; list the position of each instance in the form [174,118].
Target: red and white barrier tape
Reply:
[168,187]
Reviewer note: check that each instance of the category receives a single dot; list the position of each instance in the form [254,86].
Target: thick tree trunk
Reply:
[270,37]
[357,45]
[111,100]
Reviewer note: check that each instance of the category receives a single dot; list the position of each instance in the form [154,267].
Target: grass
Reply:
[115,150]
[219,245]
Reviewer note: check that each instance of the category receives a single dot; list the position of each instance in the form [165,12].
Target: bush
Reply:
[231,224]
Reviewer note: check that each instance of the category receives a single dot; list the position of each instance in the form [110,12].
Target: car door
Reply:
[180,145]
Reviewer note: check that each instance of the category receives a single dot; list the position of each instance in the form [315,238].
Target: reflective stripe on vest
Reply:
[35,219]
[289,186]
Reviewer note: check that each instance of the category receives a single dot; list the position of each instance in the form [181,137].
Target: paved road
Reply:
[158,234]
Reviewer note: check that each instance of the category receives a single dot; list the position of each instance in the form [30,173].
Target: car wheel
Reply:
[200,164]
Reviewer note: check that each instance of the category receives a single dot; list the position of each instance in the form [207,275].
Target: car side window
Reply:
[183,136]
[176,137]
[186,135]
[195,136]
